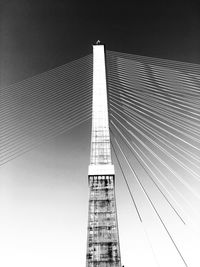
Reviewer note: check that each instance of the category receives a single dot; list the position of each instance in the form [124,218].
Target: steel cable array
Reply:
[44,106]
[154,109]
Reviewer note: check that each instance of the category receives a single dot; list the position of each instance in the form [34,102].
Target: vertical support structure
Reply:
[103,248]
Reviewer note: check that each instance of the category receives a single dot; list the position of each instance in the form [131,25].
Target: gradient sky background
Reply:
[39,35]
[44,193]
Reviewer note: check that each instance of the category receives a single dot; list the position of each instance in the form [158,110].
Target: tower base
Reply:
[103,240]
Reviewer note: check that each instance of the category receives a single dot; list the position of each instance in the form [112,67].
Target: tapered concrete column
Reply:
[103,241]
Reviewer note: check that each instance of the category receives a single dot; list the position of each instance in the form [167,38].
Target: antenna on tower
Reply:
[98,42]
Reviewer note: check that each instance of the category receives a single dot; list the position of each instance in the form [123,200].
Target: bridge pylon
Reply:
[103,248]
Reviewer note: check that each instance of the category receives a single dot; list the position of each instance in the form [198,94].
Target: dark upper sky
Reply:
[38,35]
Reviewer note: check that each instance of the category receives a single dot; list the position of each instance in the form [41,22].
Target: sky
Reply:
[39,35]
[44,193]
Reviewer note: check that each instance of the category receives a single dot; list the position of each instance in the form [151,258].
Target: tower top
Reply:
[98,42]
[100,157]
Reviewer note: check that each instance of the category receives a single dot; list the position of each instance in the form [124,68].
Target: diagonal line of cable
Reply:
[41,141]
[142,133]
[144,166]
[168,77]
[43,130]
[72,65]
[126,181]
[44,106]
[159,137]
[156,112]
[154,83]
[133,200]
[164,135]
[147,159]
[165,63]
[153,91]
[151,203]
[151,120]
[186,184]
[154,102]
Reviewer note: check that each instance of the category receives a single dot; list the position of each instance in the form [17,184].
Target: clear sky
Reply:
[44,193]
[39,35]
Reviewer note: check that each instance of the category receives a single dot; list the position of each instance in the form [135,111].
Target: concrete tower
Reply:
[103,241]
